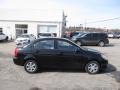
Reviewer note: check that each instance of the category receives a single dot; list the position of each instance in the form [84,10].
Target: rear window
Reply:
[44,44]
[99,35]
[103,35]
[45,34]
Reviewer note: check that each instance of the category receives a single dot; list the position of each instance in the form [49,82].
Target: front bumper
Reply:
[104,64]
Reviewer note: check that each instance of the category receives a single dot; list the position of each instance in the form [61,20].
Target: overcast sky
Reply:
[78,11]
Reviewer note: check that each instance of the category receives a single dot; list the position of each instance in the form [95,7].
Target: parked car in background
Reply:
[99,39]
[59,53]
[75,33]
[114,35]
[3,37]
[25,39]
[78,35]
[110,35]
[46,35]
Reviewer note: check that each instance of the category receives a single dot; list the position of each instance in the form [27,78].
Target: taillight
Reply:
[16,52]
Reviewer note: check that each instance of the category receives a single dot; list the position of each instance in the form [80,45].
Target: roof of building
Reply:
[31,15]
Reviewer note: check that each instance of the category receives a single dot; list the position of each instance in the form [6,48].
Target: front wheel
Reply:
[31,66]
[101,44]
[92,67]
[6,39]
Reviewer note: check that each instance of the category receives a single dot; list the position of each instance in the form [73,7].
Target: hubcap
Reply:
[101,43]
[31,66]
[93,67]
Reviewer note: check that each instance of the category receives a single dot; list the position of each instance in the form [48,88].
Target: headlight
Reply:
[103,56]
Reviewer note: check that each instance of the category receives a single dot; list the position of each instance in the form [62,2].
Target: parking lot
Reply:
[13,77]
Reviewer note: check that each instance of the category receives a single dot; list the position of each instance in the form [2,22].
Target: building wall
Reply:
[9,27]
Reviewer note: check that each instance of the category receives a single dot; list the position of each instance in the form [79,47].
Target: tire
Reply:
[28,41]
[79,43]
[31,66]
[101,44]
[92,67]
[6,39]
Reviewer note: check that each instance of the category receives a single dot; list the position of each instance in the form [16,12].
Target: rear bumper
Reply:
[18,61]
[106,41]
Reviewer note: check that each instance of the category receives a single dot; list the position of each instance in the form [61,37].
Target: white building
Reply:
[14,22]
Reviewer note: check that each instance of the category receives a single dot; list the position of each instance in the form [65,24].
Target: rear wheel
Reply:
[92,67]
[6,39]
[31,66]
[101,44]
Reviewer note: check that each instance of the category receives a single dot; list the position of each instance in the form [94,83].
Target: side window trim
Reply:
[44,48]
[67,42]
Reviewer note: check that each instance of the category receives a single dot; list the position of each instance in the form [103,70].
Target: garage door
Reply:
[47,29]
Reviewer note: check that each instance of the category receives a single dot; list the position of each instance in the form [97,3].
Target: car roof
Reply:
[55,38]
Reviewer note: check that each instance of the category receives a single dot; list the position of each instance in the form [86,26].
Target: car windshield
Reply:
[78,35]
[83,35]
[2,33]
[83,48]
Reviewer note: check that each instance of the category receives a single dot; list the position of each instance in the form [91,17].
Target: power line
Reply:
[103,20]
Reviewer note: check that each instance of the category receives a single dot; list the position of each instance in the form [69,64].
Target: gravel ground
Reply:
[13,77]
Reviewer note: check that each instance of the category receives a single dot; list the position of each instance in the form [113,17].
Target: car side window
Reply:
[88,35]
[44,44]
[63,45]
[95,35]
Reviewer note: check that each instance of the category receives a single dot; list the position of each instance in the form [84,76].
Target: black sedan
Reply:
[59,53]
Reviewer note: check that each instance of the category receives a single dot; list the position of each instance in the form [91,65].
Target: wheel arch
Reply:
[90,60]
[28,57]
[101,41]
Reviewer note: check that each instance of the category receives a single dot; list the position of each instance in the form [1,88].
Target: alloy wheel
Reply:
[31,66]
[101,43]
[92,67]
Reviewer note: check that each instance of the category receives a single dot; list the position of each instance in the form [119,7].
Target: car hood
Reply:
[92,50]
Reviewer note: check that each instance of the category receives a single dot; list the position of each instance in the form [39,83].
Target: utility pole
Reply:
[85,24]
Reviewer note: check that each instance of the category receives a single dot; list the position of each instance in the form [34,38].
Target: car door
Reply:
[44,52]
[95,38]
[87,39]
[67,55]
